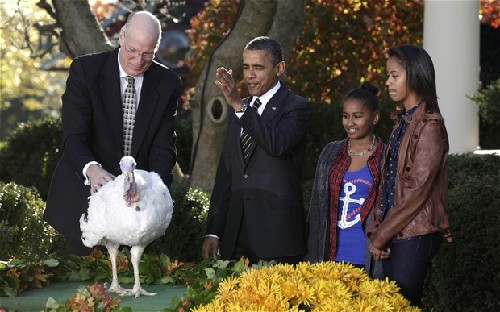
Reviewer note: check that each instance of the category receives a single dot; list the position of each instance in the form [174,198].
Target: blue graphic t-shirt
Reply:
[350,235]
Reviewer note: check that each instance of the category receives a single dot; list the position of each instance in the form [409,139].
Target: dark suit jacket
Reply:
[93,131]
[268,191]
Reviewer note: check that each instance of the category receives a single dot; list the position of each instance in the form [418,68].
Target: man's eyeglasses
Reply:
[133,52]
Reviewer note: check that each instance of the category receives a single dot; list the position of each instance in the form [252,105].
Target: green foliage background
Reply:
[31,153]
[184,236]
[465,275]
[488,101]
[23,232]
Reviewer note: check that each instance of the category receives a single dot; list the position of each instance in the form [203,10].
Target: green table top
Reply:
[35,300]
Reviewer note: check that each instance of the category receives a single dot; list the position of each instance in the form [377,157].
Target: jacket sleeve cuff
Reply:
[84,171]
[212,235]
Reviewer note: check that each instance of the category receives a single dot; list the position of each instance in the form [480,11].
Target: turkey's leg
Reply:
[136,254]
[115,285]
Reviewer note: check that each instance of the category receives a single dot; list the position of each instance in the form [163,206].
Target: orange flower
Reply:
[173,266]
[96,254]
[97,290]
[208,284]
[110,303]
[121,263]
[14,272]
[79,303]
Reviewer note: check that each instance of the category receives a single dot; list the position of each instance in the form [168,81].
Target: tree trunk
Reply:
[81,33]
[279,19]
[287,24]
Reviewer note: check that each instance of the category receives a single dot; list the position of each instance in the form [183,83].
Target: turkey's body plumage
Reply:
[109,219]
[112,221]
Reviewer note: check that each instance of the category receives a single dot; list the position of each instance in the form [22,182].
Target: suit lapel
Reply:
[273,107]
[111,96]
[147,107]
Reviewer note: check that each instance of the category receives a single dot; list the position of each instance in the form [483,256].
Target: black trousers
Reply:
[409,261]
[244,249]
[76,248]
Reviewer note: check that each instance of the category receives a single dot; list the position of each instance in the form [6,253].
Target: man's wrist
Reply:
[243,108]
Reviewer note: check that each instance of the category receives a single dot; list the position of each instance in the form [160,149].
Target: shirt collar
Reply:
[264,98]
[407,115]
[411,110]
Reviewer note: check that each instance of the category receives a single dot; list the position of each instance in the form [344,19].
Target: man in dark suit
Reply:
[93,123]
[256,207]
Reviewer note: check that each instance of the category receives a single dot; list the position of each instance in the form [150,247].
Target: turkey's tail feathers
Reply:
[91,236]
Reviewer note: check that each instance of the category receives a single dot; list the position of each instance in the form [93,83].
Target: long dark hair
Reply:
[420,75]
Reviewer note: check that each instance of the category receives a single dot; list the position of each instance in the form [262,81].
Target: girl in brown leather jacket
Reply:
[410,216]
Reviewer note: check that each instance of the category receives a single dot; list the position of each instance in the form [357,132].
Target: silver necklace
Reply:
[363,153]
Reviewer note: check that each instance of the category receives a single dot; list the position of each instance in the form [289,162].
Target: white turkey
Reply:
[133,210]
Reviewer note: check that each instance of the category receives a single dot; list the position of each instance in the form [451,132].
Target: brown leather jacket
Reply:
[421,183]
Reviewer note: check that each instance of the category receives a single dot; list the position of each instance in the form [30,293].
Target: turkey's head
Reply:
[130,192]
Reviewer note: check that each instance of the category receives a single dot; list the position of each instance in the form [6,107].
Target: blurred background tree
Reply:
[341,44]
[27,89]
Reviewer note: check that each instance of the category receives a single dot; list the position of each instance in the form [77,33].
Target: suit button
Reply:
[245,176]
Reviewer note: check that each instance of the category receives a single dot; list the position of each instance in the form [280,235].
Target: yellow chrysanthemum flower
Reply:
[228,285]
[324,286]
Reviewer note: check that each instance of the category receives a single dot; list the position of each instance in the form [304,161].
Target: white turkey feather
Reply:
[111,220]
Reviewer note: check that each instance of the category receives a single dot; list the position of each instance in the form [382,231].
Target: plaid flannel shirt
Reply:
[337,171]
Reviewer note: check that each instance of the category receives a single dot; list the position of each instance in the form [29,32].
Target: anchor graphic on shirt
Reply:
[349,189]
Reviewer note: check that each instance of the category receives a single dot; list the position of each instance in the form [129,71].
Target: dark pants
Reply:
[409,261]
[244,249]
[76,248]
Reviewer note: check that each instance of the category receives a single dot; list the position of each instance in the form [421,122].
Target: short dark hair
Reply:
[366,93]
[420,75]
[269,45]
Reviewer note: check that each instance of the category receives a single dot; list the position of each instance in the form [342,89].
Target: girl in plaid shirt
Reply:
[345,186]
